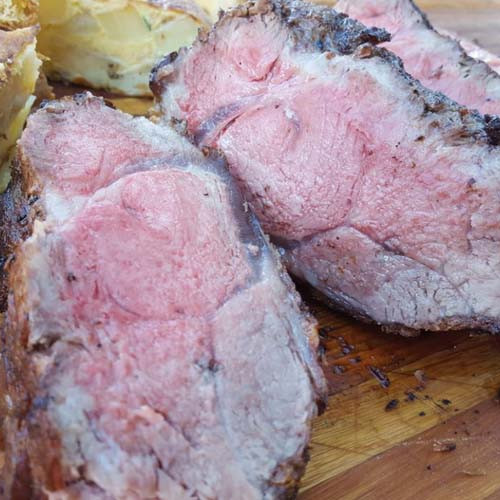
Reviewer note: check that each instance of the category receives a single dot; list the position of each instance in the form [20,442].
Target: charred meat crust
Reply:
[463,63]
[18,210]
[493,129]
[315,28]
[15,225]
[325,30]
[315,20]
[425,19]
[154,80]
[20,408]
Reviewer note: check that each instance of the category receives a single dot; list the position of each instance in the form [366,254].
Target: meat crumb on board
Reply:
[421,378]
[392,405]
[444,446]
[380,376]
[338,369]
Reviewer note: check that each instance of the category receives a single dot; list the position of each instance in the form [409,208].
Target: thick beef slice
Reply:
[154,348]
[382,194]
[436,59]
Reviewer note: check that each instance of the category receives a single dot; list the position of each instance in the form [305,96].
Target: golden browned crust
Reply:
[43,90]
[16,14]
[11,44]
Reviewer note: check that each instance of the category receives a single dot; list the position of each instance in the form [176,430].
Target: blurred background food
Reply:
[112,44]
[214,6]
[19,66]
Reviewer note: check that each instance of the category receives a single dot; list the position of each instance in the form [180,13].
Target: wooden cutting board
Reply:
[441,441]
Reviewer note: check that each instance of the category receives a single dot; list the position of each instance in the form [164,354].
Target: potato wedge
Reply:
[113,44]
[19,69]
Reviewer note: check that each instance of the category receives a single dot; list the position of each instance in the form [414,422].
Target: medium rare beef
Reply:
[437,60]
[153,348]
[382,194]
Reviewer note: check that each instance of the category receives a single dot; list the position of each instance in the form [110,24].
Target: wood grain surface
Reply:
[363,448]
[360,449]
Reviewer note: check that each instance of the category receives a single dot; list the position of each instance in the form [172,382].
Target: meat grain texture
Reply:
[381,193]
[154,348]
[437,59]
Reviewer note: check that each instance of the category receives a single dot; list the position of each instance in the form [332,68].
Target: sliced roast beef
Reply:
[153,347]
[382,194]
[437,60]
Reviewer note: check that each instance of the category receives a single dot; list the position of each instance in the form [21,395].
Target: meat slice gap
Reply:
[436,58]
[382,194]
[153,346]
